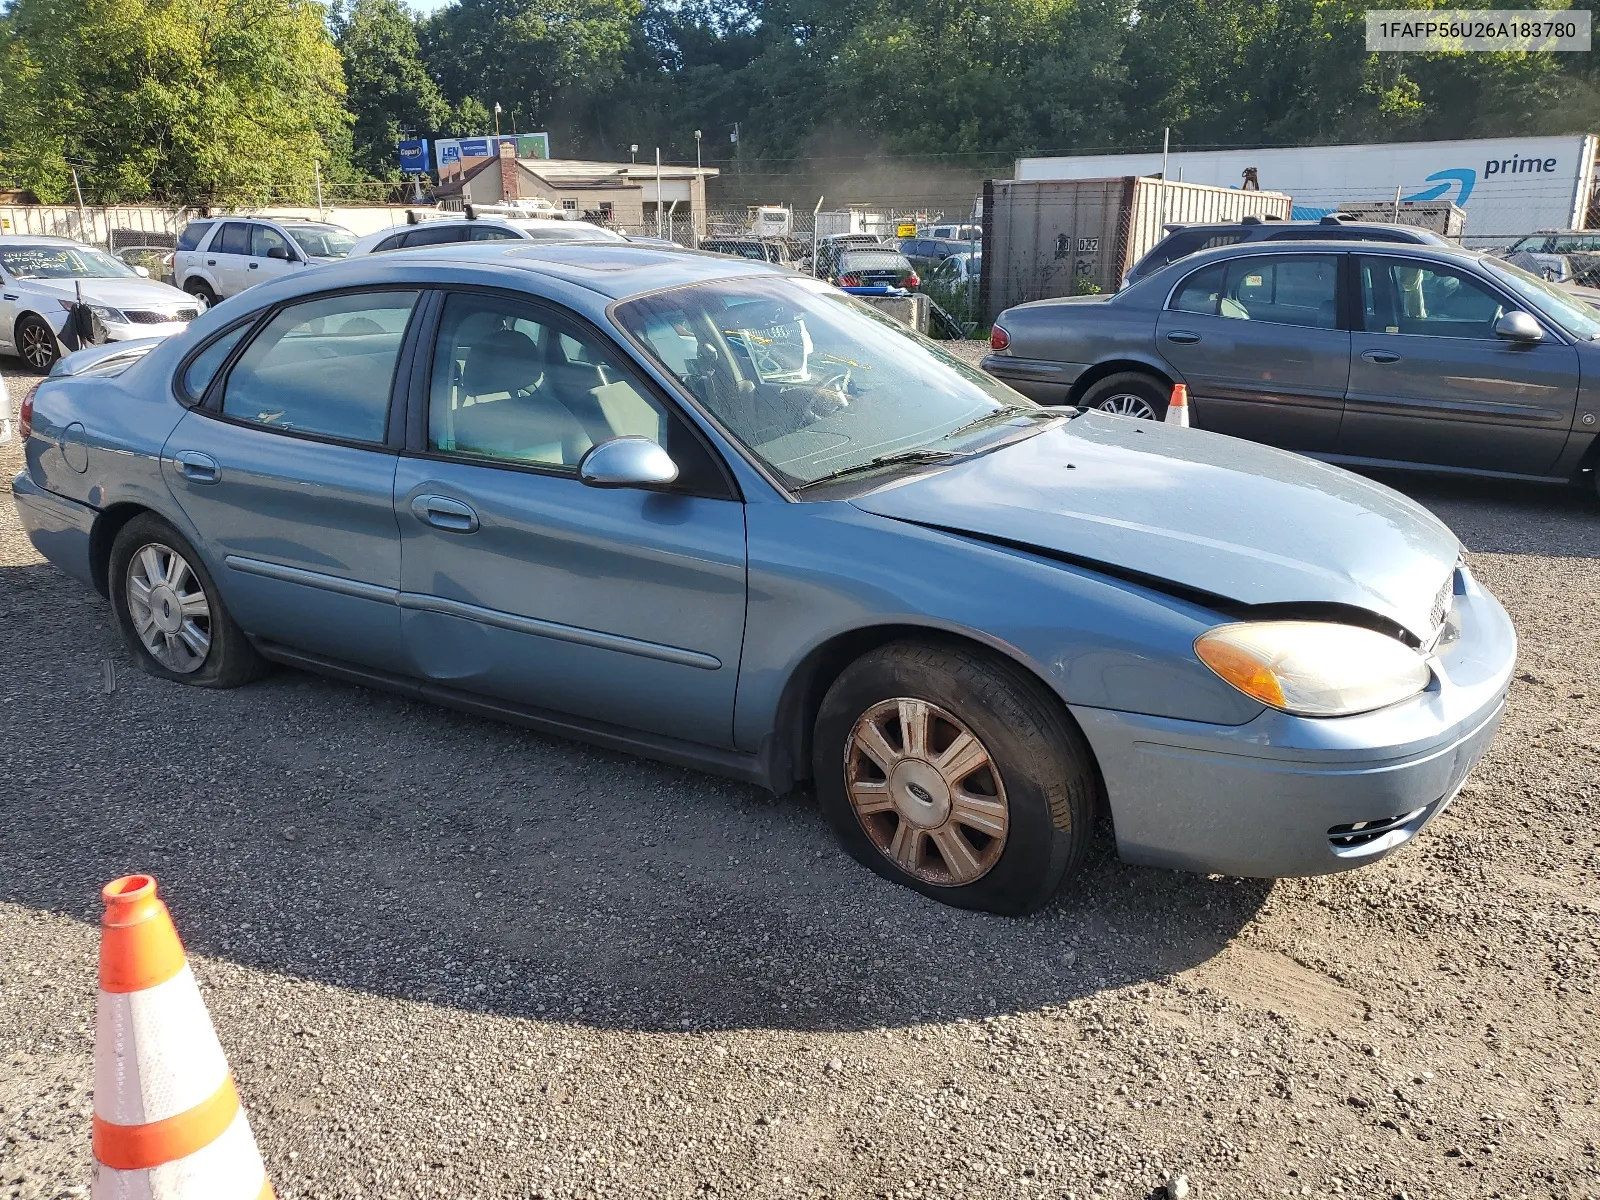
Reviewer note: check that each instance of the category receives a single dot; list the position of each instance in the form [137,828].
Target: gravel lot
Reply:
[452,958]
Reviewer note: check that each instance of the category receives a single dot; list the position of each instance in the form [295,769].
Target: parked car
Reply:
[958,269]
[41,279]
[1364,353]
[1184,240]
[873,268]
[711,511]
[1560,256]
[439,231]
[156,260]
[829,248]
[953,233]
[759,249]
[221,256]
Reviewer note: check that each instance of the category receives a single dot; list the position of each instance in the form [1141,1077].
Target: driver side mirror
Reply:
[142,272]
[629,461]
[1518,327]
[281,252]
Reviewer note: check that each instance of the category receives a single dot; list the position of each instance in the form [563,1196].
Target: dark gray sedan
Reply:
[1365,354]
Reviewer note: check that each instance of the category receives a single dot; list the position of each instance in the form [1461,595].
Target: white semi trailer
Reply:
[1507,186]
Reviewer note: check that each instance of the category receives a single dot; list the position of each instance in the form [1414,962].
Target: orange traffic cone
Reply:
[1178,406]
[167,1120]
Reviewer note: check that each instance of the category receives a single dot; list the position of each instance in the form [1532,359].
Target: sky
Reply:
[428,6]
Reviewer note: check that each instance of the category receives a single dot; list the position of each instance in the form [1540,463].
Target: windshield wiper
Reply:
[1000,414]
[898,458]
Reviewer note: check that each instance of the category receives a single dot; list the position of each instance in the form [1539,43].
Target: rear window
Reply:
[193,233]
[873,260]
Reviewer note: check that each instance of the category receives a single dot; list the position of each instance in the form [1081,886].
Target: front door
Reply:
[518,580]
[1257,340]
[271,256]
[287,473]
[1431,383]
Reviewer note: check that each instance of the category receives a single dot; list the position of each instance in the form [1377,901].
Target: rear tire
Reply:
[170,612]
[1129,394]
[201,291]
[987,792]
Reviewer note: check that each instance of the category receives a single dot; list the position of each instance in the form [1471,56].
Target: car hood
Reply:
[1205,512]
[115,293]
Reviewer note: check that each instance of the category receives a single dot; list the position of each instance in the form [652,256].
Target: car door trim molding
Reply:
[576,634]
[316,579]
[515,623]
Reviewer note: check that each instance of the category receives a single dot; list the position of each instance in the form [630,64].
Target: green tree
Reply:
[183,99]
[388,90]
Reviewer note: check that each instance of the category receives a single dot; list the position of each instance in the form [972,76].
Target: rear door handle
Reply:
[1183,337]
[441,512]
[197,467]
[211,262]
[1380,356]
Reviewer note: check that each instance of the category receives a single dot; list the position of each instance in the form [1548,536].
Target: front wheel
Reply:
[1129,394]
[37,344]
[955,774]
[170,613]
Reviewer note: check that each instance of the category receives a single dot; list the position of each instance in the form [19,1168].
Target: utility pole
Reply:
[316,169]
[83,219]
[633,153]
[658,191]
[698,166]
[1166,142]
[497,118]
[697,215]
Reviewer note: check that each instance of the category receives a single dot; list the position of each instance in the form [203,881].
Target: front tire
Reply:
[170,612]
[956,774]
[37,344]
[1129,394]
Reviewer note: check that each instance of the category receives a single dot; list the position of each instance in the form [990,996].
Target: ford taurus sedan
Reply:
[713,512]
[1367,354]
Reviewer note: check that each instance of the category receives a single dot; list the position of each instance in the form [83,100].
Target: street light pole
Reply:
[497,118]
[697,165]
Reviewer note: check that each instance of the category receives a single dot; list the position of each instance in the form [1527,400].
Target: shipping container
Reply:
[1507,186]
[1444,217]
[1067,237]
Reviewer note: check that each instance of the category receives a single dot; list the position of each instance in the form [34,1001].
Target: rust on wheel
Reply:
[926,791]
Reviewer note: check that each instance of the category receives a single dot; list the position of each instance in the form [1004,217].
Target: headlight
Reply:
[112,315]
[1313,668]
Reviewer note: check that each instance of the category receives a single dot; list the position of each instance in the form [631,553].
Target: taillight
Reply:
[999,339]
[912,280]
[849,281]
[25,415]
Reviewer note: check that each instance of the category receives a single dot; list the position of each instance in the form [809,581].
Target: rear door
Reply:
[1257,340]
[227,256]
[1431,383]
[287,472]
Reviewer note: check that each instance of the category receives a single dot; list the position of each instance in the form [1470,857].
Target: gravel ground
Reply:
[452,958]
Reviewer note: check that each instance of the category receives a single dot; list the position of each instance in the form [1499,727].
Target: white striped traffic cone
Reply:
[1178,406]
[167,1121]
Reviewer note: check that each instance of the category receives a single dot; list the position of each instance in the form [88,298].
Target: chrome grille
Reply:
[146,317]
[1441,602]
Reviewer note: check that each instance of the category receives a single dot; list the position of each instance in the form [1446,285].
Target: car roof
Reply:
[1328,246]
[613,269]
[28,239]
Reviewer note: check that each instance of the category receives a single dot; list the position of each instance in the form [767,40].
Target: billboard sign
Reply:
[452,152]
[414,158]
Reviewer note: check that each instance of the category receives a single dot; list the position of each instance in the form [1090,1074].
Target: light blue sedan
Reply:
[723,515]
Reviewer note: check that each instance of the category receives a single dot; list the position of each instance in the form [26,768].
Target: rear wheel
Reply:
[955,774]
[170,613]
[1129,394]
[201,291]
[37,344]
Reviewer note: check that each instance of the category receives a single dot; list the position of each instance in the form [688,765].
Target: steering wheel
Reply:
[828,396]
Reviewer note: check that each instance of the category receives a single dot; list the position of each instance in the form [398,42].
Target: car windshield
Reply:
[323,243]
[1576,317]
[811,381]
[567,231]
[62,262]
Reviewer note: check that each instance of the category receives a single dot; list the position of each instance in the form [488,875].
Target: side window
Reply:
[1298,289]
[515,384]
[323,366]
[1587,243]
[1199,293]
[232,238]
[1409,296]
[437,236]
[193,233]
[392,242]
[264,239]
[493,233]
[205,365]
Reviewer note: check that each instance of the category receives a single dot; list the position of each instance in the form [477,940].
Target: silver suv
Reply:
[221,256]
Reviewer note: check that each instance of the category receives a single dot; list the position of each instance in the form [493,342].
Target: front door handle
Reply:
[1183,337]
[441,512]
[253,266]
[1380,356]
[197,467]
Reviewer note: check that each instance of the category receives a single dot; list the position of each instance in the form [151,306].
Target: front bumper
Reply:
[1283,795]
[59,528]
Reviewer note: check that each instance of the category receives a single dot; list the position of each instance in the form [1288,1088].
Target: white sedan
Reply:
[43,278]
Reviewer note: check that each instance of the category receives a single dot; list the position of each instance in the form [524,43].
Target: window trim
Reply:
[1552,332]
[1339,324]
[191,401]
[211,405]
[414,444]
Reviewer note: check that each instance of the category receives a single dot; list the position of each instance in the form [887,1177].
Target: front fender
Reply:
[822,571]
